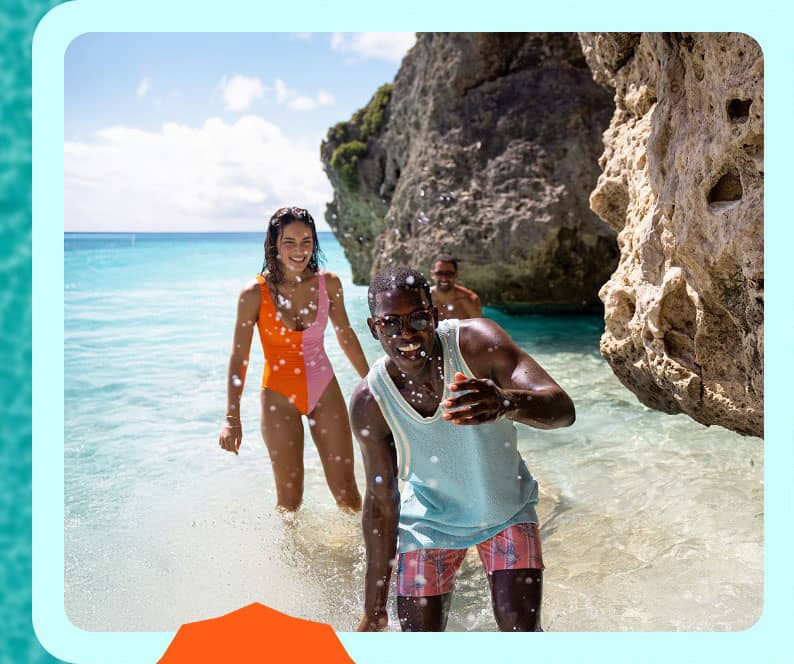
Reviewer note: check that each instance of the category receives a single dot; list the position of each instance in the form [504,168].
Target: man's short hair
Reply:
[393,278]
[446,258]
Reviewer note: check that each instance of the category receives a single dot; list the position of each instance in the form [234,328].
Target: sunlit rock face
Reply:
[682,182]
[488,150]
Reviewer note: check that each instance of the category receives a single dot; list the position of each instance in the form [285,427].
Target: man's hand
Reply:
[484,401]
[376,624]
[231,436]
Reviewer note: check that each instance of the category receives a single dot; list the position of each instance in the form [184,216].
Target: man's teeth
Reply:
[409,348]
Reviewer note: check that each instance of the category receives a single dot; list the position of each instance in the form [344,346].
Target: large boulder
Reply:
[682,182]
[486,147]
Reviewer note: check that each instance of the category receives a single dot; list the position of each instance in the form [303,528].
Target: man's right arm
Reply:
[381,503]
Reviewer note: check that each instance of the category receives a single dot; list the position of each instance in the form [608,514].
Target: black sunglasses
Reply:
[394,324]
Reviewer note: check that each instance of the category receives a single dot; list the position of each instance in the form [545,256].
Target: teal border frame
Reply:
[768,22]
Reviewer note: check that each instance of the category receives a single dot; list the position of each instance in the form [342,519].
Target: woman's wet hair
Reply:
[282,218]
[393,278]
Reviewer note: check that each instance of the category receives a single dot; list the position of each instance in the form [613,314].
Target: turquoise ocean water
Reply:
[649,521]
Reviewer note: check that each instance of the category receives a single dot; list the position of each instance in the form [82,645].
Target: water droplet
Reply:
[378,479]
[297,370]
[364,432]
[272,409]
[434,459]
[236,381]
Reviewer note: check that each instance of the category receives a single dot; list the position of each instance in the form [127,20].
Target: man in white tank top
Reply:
[408,407]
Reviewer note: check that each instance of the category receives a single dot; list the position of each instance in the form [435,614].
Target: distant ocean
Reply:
[649,521]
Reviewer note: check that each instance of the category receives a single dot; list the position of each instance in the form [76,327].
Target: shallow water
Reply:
[649,521]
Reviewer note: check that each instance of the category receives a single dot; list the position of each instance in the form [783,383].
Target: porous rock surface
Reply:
[682,182]
[488,150]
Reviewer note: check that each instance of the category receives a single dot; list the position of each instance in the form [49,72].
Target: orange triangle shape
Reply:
[255,633]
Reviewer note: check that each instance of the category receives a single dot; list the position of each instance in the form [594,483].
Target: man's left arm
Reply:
[506,383]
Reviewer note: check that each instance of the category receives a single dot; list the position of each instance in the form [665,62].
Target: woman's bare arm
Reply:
[345,335]
[231,436]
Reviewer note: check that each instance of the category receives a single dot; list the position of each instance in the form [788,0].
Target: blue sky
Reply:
[209,131]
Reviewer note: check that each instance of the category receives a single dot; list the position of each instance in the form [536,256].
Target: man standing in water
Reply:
[452,300]
[437,412]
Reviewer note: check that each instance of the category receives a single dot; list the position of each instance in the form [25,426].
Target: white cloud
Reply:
[240,92]
[143,87]
[214,177]
[390,46]
[296,102]
[282,91]
[303,103]
[325,98]
[302,36]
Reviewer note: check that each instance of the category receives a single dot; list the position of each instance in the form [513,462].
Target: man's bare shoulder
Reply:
[483,342]
[478,330]
[466,293]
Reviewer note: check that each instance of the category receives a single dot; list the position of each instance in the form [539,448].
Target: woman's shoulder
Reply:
[331,279]
[253,285]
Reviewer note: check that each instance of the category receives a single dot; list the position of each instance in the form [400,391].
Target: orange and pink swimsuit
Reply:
[296,365]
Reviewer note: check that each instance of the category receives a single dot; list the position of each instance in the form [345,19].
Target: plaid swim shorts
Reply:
[429,572]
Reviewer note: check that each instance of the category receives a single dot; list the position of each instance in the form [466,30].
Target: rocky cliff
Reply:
[682,182]
[486,147]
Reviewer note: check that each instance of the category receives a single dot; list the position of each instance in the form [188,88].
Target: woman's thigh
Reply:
[330,429]
[282,430]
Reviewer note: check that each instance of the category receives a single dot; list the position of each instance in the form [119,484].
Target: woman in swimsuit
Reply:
[290,302]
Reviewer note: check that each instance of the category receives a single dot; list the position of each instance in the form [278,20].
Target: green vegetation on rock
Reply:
[344,160]
[338,133]
[374,114]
